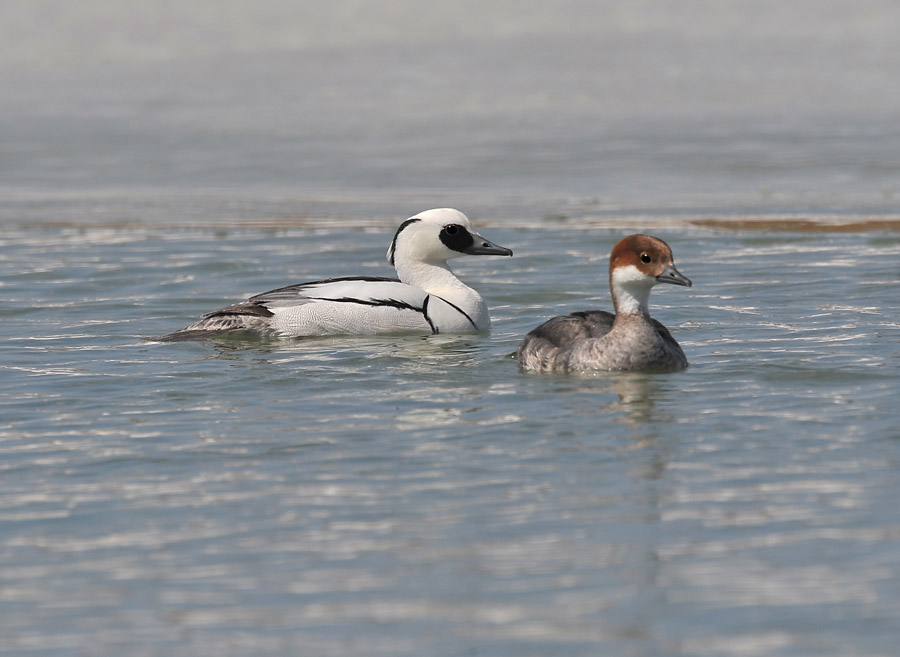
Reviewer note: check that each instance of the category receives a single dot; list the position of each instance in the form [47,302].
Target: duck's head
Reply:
[636,264]
[435,236]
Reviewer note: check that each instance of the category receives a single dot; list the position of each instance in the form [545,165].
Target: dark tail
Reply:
[187,335]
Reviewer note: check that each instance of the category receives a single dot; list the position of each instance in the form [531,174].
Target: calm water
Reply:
[419,496]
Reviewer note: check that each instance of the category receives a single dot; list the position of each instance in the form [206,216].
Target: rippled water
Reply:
[420,495]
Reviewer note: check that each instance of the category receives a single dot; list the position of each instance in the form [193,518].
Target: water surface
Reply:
[420,495]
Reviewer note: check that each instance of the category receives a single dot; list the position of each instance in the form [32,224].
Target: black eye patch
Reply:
[456,237]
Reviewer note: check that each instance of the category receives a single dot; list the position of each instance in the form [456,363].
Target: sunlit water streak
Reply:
[420,495]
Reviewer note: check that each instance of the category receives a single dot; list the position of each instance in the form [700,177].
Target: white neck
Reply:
[631,291]
[436,278]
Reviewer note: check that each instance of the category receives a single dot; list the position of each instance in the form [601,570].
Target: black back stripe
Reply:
[388,303]
[402,305]
[345,279]
[460,311]
[400,230]
[290,291]
[434,329]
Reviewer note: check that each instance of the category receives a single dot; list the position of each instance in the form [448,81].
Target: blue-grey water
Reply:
[421,496]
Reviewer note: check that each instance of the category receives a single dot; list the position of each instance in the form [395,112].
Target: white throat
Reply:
[631,290]
[437,278]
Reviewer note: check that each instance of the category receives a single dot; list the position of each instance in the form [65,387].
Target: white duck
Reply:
[427,298]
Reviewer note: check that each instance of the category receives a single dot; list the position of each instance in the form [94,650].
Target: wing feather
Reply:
[282,310]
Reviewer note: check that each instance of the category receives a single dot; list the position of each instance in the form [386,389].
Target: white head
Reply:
[636,264]
[435,236]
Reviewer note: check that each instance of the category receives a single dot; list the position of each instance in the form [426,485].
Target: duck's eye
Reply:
[646,259]
[456,238]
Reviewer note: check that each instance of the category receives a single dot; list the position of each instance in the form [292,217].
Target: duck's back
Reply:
[543,346]
[353,305]
[337,306]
